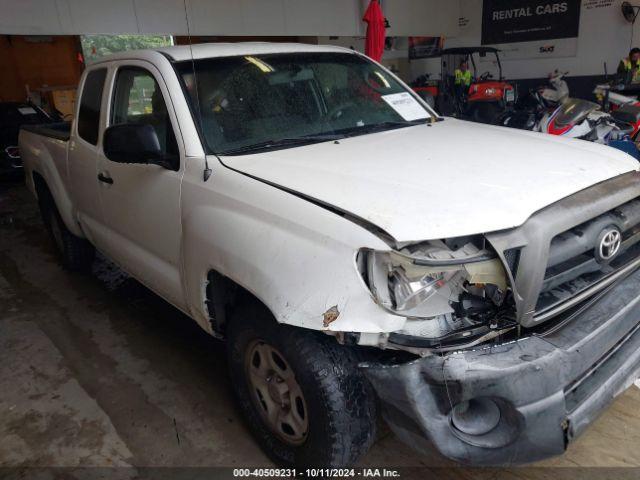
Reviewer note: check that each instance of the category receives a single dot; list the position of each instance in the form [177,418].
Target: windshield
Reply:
[252,103]
[574,111]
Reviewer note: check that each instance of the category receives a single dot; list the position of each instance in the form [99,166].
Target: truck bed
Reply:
[43,149]
[59,131]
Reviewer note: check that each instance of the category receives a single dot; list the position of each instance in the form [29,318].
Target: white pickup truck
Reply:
[477,285]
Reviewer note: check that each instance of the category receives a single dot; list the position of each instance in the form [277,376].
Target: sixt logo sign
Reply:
[547,49]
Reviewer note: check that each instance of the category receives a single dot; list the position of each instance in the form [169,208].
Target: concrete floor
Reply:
[97,371]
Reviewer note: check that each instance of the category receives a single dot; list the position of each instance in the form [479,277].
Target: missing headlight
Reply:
[441,287]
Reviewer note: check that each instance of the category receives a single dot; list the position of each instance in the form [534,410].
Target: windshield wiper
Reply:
[382,126]
[309,139]
[282,142]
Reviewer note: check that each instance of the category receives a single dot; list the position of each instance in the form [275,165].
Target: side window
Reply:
[137,98]
[89,114]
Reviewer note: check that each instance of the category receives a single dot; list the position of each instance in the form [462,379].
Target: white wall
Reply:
[604,36]
[422,17]
[223,17]
[206,17]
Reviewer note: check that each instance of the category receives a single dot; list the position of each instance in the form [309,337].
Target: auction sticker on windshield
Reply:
[406,106]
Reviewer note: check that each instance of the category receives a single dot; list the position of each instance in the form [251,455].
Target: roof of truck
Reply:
[181,53]
[208,50]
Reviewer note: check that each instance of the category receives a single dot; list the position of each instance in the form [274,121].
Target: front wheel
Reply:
[302,394]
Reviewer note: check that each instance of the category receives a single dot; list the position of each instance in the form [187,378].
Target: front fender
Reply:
[296,257]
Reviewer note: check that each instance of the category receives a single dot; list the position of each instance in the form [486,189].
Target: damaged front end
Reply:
[523,337]
[452,293]
[519,401]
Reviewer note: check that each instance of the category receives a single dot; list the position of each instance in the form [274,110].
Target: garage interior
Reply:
[98,371]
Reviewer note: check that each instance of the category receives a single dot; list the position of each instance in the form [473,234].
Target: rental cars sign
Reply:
[512,21]
[543,24]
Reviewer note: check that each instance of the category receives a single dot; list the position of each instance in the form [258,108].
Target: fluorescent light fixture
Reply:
[264,67]
[384,81]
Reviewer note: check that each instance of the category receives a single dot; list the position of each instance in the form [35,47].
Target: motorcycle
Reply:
[623,108]
[556,113]
[576,118]
[533,106]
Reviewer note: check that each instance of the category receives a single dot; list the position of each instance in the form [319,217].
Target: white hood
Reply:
[451,179]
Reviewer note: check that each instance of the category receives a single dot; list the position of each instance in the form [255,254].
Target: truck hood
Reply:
[450,179]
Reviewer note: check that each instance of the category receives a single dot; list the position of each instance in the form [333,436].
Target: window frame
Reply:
[112,112]
[151,69]
[105,80]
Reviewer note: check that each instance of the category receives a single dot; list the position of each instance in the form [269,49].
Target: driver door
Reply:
[141,203]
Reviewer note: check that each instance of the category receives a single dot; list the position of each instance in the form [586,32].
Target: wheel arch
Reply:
[43,188]
[222,296]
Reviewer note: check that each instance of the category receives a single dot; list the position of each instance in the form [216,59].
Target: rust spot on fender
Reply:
[330,316]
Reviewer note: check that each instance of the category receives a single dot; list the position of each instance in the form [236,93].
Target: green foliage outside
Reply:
[96,46]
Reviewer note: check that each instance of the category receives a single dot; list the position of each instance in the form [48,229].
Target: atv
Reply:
[489,95]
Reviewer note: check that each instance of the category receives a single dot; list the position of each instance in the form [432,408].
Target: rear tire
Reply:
[336,406]
[76,253]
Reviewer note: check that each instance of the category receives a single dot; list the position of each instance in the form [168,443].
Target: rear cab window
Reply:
[90,102]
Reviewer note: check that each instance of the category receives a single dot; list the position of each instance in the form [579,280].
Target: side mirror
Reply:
[134,143]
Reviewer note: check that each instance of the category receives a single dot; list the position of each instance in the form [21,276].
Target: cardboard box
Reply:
[64,101]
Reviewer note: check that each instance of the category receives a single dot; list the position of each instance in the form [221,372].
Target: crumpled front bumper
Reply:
[548,387]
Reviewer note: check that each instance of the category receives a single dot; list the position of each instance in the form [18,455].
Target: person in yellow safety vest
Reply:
[463,74]
[462,82]
[629,68]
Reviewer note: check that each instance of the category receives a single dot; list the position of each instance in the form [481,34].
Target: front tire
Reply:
[301,392]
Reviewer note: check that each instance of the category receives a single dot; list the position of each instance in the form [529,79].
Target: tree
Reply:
[97,46]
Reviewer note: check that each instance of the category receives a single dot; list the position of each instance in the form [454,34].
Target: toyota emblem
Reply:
[608,244]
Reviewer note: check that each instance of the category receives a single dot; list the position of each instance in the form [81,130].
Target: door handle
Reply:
[104,179]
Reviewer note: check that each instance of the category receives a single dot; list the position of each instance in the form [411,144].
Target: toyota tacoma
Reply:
[475,285]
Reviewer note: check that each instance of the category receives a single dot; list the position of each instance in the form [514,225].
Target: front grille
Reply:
[575,263]
[551,258]
[512,258]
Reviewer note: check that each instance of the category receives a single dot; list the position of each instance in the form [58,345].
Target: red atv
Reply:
[487,99]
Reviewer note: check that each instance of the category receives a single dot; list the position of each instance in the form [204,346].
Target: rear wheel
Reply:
[76,253]
[302,394]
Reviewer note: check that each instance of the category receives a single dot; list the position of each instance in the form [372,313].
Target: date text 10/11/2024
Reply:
[316,473]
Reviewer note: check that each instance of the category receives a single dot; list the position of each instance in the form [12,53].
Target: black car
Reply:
[12,116]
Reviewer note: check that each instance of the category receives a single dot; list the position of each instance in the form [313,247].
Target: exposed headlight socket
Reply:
[439,287]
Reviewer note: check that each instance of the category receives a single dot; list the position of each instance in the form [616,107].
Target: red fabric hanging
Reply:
[374,45]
